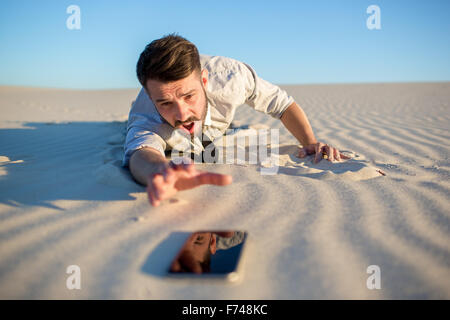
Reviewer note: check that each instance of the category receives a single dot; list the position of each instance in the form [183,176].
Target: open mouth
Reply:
[189,127]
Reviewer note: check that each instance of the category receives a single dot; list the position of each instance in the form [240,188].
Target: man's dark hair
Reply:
[170,58]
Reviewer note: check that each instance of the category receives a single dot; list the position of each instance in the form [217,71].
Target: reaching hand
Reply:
[320,149]
[180,177]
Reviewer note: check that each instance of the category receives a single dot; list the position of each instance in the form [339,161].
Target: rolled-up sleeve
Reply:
[139,137]
[264,96]
[140,131]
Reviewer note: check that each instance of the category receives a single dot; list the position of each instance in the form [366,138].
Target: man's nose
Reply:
[181,111]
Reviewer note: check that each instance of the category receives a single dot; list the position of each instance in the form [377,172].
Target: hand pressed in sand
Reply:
[320,150]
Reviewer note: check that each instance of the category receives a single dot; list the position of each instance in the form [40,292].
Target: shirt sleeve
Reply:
[264,96]
[139,130]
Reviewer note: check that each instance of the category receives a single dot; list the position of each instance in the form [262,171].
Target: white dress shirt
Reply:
[231,84]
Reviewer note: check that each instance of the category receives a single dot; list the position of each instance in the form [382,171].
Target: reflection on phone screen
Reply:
[210,252]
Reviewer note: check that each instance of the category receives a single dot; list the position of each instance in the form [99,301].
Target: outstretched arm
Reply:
[295,120]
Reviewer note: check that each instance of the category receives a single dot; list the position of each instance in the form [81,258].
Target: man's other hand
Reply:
[320,150]
[178,177]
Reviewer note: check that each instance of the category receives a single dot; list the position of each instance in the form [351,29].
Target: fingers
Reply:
[159,186]
[302,153]
[319,149]
[337,155]
[158,181]
[343,156]
[200,178]
[151,195]
[213,178]
[152,190]
[330,152]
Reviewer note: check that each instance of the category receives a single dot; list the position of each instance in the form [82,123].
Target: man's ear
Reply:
[204,76]
[212,245]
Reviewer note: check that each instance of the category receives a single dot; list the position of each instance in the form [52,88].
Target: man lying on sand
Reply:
[182,89]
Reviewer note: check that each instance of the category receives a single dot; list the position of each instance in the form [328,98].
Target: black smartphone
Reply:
[210,254]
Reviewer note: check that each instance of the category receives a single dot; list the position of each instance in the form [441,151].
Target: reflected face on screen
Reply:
[195,256]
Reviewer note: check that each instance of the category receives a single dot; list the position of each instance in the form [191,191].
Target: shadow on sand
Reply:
[44,162]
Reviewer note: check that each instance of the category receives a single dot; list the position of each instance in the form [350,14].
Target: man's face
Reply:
[194,252]
[181,102]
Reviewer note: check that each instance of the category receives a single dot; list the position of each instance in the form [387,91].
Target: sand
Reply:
[313,228]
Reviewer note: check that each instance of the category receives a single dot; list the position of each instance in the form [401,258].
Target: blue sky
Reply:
[286,42]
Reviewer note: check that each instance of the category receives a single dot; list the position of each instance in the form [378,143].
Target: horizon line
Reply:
[278,84]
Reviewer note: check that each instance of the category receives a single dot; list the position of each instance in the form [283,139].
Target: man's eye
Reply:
[165,103]
[189,96]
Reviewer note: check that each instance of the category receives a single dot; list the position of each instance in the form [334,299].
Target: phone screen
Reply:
[210,254]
